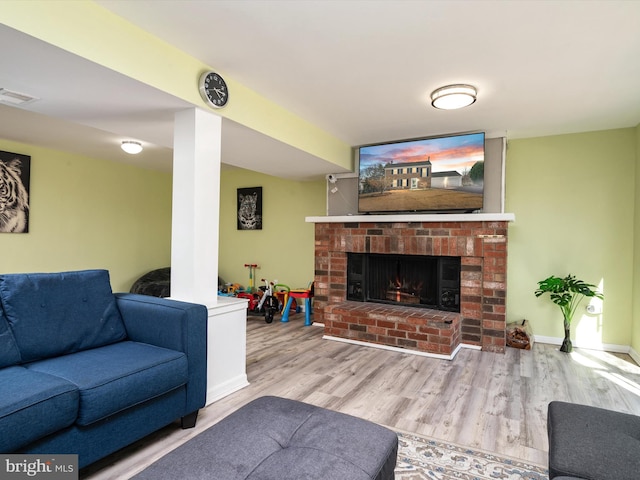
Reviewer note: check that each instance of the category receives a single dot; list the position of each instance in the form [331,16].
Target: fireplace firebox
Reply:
[409,280]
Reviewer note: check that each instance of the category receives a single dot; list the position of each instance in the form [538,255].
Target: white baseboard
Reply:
[605,347]
[633,354]
[395,349]
[227,388]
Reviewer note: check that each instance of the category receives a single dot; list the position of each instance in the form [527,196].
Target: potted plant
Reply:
[567,293]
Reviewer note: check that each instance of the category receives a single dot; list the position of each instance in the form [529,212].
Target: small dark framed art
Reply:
[15,175]
[250,208]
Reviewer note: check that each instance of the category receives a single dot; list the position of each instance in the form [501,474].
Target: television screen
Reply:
[437,174]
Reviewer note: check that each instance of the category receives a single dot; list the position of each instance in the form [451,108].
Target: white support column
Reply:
[196,206]
[194,248]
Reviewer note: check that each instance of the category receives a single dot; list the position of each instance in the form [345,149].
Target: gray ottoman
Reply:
[592,443]
[275,438]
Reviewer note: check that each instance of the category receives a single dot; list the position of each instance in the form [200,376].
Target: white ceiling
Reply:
[360,69]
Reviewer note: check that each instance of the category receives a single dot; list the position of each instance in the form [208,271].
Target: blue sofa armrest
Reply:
[174,325]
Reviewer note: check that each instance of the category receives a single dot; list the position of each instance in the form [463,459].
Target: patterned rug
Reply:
[421,458]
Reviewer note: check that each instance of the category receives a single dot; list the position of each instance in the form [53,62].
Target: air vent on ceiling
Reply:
[15,98]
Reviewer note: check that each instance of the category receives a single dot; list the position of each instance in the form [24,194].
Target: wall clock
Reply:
[213,89]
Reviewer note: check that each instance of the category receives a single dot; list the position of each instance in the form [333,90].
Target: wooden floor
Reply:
[490,401]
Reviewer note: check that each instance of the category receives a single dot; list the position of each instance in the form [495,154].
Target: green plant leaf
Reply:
[567,293]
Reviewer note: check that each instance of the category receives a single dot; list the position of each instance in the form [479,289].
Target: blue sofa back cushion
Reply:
[9,353]
[53,314]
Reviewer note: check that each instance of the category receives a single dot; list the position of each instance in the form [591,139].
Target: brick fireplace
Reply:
[479,240]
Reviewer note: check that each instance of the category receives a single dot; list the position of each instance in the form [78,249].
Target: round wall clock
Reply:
[213,89]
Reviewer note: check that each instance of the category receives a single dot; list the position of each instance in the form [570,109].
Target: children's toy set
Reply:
[267,299]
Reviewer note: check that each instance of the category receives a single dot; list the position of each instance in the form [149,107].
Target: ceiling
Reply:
[361,70]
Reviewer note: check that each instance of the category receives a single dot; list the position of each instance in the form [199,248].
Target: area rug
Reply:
[422,458]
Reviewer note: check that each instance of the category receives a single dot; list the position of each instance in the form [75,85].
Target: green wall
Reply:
[635,337]
[284,248]
[573,197]
[88,213]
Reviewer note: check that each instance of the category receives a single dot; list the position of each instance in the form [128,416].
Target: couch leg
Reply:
[189,420]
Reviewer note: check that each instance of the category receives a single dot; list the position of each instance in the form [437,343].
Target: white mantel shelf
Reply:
[440,217]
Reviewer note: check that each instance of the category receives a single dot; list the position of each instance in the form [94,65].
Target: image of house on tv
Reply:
[419,175]
[424,175]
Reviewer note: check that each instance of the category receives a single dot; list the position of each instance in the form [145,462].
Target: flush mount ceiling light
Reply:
[131,147]
[451,97]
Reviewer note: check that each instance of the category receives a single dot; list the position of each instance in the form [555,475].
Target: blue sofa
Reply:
[85,371]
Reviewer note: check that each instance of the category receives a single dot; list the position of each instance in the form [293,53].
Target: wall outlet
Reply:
[593,309]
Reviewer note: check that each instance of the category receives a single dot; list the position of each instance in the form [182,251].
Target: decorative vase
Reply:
[566,347]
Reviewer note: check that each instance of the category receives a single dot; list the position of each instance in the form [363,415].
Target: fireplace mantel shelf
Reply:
[449,217]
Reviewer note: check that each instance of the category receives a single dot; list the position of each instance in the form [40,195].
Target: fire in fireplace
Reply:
[410,280]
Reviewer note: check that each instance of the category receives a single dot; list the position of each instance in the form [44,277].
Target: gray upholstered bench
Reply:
[592,443]
[274,438]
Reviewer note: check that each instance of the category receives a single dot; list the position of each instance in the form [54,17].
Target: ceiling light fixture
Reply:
[131,147]
[451,97]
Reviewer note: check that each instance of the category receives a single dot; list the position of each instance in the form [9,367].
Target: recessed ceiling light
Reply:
[451,97]
[131,147]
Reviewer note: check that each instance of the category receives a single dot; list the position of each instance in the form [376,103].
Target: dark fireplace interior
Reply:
[410,280]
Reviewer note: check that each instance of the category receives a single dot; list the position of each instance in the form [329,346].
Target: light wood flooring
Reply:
[489,401]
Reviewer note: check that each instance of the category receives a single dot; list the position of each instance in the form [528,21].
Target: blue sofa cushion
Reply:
[9,353]
[53,314]
[118,376]
[32,405]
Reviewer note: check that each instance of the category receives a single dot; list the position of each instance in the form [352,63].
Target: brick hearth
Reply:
[482,246]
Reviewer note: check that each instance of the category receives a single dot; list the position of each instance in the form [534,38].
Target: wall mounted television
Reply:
[442,174]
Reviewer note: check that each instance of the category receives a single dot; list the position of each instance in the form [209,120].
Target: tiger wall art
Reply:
[250,208]
[14,192]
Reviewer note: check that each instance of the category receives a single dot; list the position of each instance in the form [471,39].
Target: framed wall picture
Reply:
[15,174]
[250,208]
